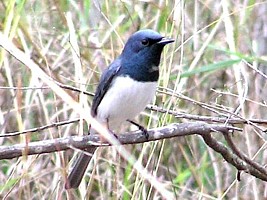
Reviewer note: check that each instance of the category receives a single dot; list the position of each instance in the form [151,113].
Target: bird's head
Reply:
[145,43]
[141,54]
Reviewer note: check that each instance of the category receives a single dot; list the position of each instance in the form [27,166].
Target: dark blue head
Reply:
[141,55]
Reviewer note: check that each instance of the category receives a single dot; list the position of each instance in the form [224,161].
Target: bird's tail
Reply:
[75,177]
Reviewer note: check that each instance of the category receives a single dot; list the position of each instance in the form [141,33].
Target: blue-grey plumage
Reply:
[125,88]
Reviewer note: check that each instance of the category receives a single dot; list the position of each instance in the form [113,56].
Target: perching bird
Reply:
[125,88]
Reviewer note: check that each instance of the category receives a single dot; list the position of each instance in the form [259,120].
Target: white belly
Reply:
[124,100]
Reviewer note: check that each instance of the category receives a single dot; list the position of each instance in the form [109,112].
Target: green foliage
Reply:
[210,68]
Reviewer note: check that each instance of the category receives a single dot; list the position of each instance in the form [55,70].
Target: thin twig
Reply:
[55,124]
[232,120]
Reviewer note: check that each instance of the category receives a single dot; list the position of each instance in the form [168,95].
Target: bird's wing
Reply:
[104,84]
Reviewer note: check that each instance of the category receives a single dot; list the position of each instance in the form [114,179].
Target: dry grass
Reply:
[219,58]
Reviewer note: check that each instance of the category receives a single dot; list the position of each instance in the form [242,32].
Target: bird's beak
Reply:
[165,41]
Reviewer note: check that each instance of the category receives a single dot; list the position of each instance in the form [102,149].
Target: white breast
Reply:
[124,100]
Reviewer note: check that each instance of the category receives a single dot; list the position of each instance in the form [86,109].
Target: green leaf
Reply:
[211,67]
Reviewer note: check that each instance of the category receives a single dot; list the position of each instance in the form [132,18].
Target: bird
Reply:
[125,88]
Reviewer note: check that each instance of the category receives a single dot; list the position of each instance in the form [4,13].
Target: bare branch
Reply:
[232,158]
[81,142]
[231,120]
[242,156]
[172,130]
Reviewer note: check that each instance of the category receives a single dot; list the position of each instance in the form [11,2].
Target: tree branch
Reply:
[242,163]
[81,142]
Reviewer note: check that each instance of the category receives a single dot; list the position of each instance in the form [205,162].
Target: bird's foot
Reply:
[114,134]
[141,128]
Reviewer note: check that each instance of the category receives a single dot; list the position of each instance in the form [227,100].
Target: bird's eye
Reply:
[145,42]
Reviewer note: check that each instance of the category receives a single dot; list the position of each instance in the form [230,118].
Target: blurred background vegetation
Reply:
[216,66]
